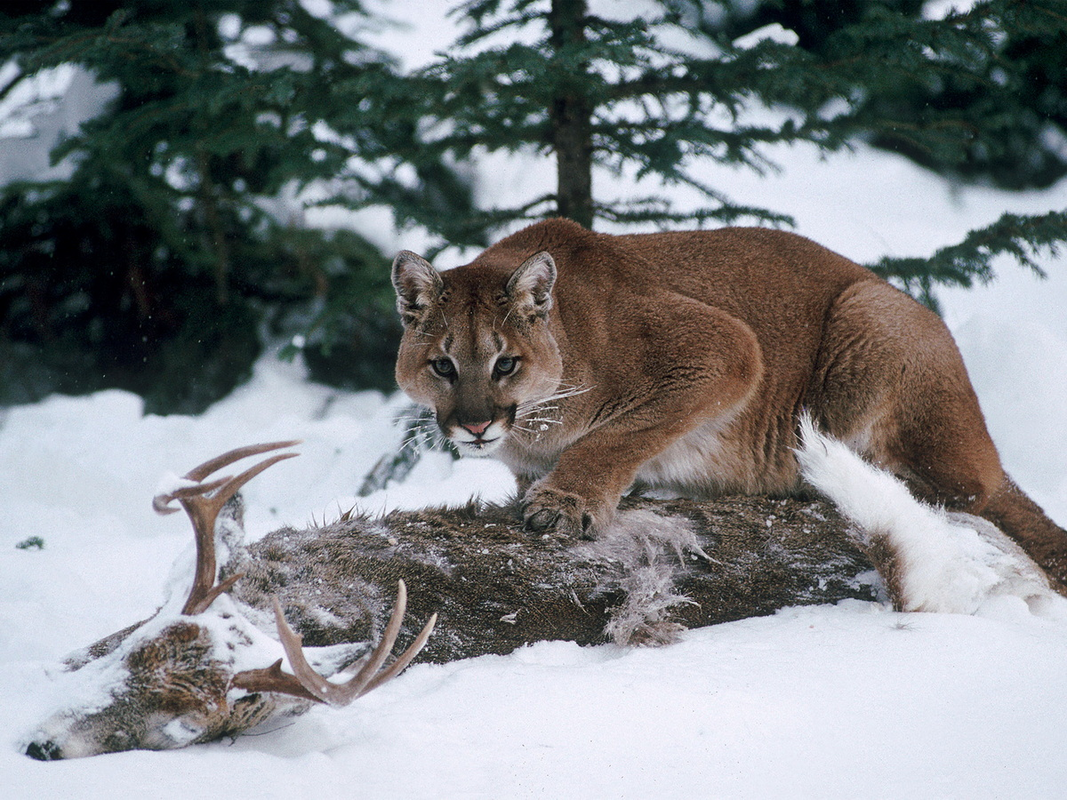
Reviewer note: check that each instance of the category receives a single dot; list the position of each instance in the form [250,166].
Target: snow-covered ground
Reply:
[847,701]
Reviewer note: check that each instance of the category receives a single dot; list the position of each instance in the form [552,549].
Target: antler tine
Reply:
[229,457]
[161,502]
[202,504]
[368,677]
[271,679]
[404,659]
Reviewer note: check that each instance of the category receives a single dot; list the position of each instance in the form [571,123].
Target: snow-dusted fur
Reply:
[930,559]
[649,552]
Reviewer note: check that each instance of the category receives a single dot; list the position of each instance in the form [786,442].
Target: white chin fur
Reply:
[477,449]
[470,445]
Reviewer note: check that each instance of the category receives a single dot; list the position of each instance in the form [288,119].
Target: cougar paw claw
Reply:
[552,511]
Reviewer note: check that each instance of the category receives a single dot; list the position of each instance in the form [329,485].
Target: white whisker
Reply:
[543,407]
[542,420]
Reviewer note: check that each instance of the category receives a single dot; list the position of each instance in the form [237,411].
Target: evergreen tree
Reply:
[157,265]
[1002,119]
[160,261]
[957,93]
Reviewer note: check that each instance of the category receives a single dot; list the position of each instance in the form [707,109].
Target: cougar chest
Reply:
[533,452]
[719,457]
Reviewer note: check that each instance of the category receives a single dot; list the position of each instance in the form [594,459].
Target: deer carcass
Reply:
[204,667]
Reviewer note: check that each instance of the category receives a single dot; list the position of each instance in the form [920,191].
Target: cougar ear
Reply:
[417,284]
[530,286]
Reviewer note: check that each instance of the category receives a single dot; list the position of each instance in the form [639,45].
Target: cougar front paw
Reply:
[551,510]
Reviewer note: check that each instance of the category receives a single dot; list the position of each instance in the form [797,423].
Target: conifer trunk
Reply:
[571,119]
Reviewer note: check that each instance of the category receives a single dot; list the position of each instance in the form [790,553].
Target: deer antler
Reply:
[202,502]
[310,685]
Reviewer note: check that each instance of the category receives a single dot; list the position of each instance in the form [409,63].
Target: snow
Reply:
[848,701]
[773,32]
[845,701]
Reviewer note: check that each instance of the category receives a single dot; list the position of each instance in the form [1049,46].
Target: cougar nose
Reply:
[477,428]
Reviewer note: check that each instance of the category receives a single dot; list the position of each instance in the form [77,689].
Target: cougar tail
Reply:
[1022,519]
[929,559]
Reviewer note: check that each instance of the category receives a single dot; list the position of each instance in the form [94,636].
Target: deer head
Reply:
[195,672]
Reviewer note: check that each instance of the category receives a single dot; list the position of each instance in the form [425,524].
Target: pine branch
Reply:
[1023,238]
[661,212]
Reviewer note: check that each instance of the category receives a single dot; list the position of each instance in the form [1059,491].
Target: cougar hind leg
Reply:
[1043,540]
[890,382]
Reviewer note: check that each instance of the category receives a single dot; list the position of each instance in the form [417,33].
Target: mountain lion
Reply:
[590,363]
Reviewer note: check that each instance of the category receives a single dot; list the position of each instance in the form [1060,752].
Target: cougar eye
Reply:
[444,367]
[505,366]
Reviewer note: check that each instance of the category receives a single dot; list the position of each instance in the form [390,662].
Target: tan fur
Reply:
[682,360]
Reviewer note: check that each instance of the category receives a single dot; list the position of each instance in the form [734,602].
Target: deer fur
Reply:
[185,677]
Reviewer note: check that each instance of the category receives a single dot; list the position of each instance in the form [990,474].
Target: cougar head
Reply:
[477,345]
